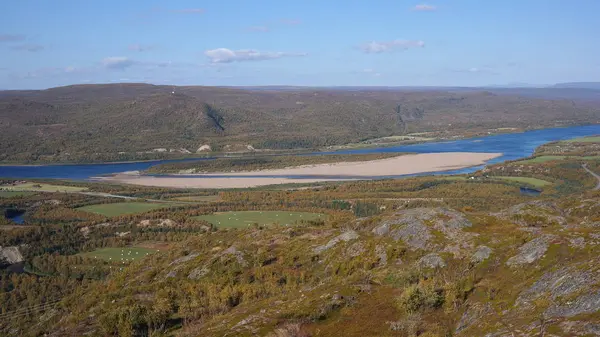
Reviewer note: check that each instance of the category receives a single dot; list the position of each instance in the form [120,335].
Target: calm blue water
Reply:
[18,218]
[513,146]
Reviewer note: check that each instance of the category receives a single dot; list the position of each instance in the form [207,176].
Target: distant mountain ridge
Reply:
[142,121]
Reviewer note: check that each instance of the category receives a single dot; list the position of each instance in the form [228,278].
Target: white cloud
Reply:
[29,47]
[224,55]
[189,11]
[388,46]
[140,48]
[11,38]
[117,62]
[425,8]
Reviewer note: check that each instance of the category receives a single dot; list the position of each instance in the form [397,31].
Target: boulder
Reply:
[431,261]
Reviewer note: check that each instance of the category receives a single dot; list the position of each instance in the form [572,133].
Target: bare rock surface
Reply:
[534,214]
[10,255]
[186,258]
[414,226]
[585,304]
[559,283]
[472,315]
[344,237]
[532,250]
[431,261]
[481,254]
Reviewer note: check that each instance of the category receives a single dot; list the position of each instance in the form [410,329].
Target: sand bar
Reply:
[405,164]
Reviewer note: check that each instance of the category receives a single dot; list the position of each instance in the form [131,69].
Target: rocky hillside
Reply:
[529,270]
[139,121]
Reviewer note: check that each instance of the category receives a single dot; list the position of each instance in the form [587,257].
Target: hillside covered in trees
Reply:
[140,121]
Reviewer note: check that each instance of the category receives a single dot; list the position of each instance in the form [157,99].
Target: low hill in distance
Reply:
[140,121]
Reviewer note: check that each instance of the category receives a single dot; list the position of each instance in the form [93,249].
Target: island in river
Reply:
[374,169]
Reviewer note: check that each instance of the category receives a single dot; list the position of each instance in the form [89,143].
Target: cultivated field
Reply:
[527,180]
[121,208]
[245,219]
[127,254]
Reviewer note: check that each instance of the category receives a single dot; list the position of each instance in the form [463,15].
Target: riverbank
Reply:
[403,165]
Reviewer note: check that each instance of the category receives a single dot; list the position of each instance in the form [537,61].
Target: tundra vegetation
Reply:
[422,256]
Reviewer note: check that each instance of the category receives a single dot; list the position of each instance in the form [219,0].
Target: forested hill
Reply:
[141,121]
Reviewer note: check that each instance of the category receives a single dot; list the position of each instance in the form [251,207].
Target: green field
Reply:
[542,159]
[121,208]
[526,180]
[595,139]
[35,187]
[125,254]
[247,218]
[10,194]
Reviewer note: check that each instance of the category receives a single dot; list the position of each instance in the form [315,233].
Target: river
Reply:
[512,145]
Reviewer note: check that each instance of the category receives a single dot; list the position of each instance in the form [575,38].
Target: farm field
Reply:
[122,208]
[526,180]
[542,159]
[246,218]
[35,187]
[121,254]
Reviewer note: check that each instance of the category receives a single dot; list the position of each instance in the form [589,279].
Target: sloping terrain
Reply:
[415,272]
[138,121]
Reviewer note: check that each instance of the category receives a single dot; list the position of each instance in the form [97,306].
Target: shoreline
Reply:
[341,171]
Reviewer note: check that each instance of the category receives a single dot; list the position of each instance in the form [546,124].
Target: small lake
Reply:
[15,216]
[513,146]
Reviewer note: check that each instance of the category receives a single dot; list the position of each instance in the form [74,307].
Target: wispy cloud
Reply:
[224,55]
[425,8]
[29,47]
[291,22]
[140,48]
[375,47]
[260,29]
[475,70]
[189,11]
[11,38]
[117,62]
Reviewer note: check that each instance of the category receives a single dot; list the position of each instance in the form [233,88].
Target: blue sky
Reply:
[47,43]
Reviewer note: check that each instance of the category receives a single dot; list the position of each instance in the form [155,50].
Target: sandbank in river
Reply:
[402,165]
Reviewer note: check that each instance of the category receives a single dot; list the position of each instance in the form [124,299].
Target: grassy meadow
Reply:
[122,208]
[119,254]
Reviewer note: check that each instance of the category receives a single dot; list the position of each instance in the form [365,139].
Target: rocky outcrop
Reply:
[532,250]
[481,254]
[431,261]
[414,227]
[10,255]
[584,304]
[534,214]
[198,273]
[561,282]
[232,251]
[472,315]
[345,237]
